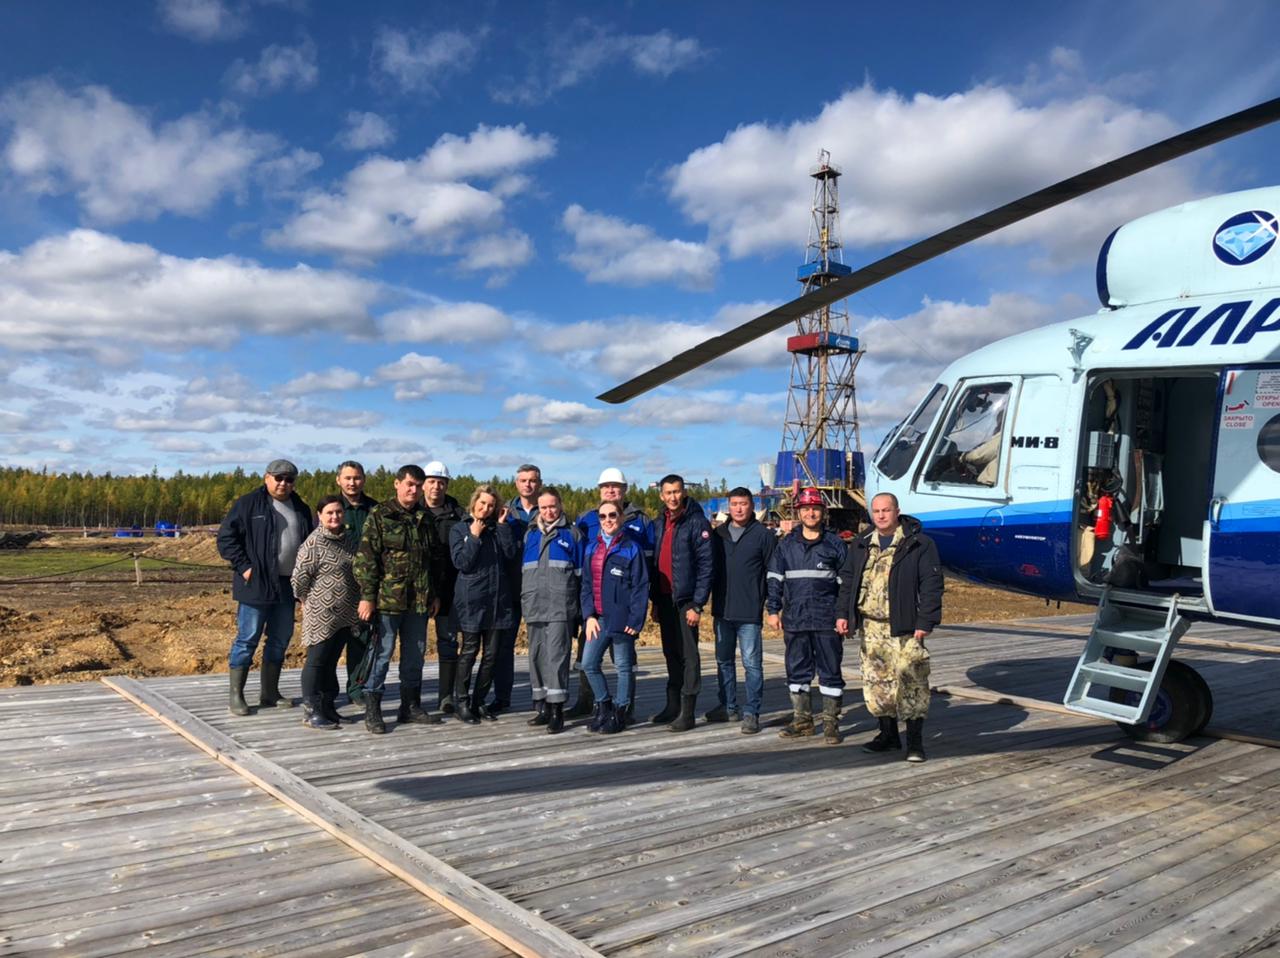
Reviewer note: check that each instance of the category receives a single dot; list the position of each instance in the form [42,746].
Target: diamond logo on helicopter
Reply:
[1245,238]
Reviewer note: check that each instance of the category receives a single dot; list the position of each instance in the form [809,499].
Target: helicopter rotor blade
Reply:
[949,239]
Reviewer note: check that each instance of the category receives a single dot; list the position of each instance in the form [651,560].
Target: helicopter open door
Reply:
[1243,526]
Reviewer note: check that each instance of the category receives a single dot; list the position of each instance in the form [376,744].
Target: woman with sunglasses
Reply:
[482,550]
[615,595]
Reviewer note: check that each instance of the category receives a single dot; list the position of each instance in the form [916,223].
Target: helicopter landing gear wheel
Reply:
[1182,707]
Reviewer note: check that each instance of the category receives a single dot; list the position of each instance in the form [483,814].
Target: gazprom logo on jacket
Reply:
[1245,238]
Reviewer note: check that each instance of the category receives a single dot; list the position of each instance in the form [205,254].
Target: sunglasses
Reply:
[610,515]
[285,478]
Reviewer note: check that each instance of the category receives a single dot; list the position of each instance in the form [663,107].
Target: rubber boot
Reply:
[269,696]
[373,713]
[555,723]
[411,710]
[886,739]
[673,707]
[313,714]
[236,703]
[801,724]
[586,700]
[444,698]
[831,719]
[915,740]
[541,714]
[598,717]
[329,708]
[685,718]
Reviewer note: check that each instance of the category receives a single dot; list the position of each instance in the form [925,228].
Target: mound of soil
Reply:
[199,548]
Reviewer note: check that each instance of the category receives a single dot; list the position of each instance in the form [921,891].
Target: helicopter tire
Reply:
[1182,708]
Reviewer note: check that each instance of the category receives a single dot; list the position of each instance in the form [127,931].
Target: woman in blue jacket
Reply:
[615,595]
[482,551]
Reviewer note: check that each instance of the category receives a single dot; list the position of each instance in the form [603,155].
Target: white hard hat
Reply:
[612,475]
[436,470]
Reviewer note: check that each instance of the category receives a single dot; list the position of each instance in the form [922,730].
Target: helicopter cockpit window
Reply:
[899,449]
[967,451]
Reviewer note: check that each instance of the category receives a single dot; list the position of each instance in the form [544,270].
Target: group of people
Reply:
[371,576]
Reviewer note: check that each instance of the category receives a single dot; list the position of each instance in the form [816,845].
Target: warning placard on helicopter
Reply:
[1267,395]
[1237,420]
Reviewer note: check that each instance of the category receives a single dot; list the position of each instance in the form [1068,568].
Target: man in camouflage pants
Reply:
[393,569]
[891,590]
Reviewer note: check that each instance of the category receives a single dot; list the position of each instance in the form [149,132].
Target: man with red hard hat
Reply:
[803,585]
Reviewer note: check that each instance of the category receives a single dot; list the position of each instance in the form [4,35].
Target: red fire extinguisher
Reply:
[1102,518]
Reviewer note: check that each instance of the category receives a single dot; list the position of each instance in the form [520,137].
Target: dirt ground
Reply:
[84,629]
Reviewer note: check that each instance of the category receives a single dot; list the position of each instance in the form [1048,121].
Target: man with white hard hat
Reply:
[613,488]
[445,512]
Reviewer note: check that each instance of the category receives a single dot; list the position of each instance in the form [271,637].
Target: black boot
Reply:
[444,698]
[602,711]
[831,719]
[236,703]
[541,716]
[685,719]
[411,710]
[672,709]
[485,712]
[614,720]
[313,714]
[555,723]
[373,713]
[915,740]
[801,724]
[329,708]
[269,696]
[462,691]
[586,700]
[887,739]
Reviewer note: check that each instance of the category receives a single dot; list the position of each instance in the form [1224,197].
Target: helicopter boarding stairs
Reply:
[1119,629]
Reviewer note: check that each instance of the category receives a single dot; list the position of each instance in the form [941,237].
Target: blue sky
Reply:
[237,229]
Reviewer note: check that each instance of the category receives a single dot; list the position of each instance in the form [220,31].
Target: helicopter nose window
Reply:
[898,451]
[1269,444]
[967,451]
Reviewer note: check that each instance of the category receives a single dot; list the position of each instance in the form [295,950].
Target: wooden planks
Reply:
[109,848]
[514,928]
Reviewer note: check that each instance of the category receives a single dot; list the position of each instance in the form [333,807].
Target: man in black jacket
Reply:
[445,512]
[680,587]
[260,538]
[891,590]
[740,551]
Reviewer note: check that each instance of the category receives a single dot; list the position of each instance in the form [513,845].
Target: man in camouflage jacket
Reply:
[393,569]
[891,590]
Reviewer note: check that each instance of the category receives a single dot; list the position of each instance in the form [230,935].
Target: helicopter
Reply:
[1130,458]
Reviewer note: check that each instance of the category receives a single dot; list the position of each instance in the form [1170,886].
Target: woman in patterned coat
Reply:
[323,581]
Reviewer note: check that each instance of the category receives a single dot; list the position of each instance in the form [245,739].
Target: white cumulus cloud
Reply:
[415,376]
[914,166]
[333,379]
[610,250]
[424,203]
[447,322]
[366,131]
[278,67]
[86,290]
[118,162]
[202,19]
[418,61]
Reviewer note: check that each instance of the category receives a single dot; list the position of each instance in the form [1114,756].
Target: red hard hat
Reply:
[810,497]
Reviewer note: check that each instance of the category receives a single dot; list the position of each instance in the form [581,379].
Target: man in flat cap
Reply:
[260,538]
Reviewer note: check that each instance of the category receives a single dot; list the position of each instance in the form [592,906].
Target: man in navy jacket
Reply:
[260,538]
[804,582]
[680,586]
[741,549]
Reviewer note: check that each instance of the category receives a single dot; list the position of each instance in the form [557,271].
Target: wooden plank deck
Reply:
[1028,832]
[117,835]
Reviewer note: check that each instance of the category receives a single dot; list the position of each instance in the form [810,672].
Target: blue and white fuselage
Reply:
[1166,404]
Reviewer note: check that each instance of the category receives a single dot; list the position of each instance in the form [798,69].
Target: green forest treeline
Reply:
[83,499]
